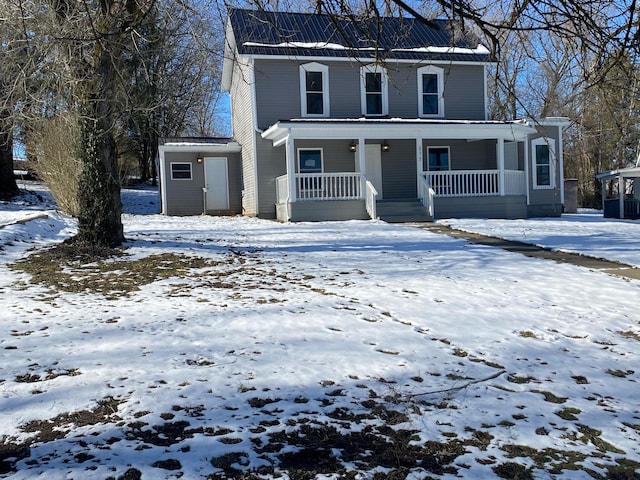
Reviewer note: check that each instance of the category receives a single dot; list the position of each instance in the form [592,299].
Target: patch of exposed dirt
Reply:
[45,431]
[66,268]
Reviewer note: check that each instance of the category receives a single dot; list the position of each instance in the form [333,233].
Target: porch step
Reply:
[402,210]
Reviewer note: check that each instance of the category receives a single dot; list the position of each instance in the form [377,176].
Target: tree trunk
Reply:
[99,220]
[8,186]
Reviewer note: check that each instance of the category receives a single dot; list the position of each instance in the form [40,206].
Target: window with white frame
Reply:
[543,160]
[314,90]
[310,160]
[437,159]
[373,90]
[430,91]
[181,171]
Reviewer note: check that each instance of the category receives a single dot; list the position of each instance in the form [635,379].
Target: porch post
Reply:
[527,166]
[500,161]
[621,195]
[419,163]
[291,168]
[362,166]
[362,156]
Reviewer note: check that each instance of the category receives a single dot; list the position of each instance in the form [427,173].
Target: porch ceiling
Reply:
[335,129]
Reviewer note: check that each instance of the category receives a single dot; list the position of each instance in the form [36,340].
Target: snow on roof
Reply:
[479,50]
[304,34]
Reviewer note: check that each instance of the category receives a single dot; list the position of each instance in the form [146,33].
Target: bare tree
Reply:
[125,69]
[174,80]
[11,50]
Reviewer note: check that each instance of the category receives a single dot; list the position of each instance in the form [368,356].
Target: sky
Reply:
[299,325]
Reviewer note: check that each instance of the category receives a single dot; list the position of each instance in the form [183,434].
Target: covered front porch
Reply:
[621,193]
[338,170]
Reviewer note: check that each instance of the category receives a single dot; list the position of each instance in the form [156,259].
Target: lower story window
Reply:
[181,171]
[437,159]
[543,170]
[310,160]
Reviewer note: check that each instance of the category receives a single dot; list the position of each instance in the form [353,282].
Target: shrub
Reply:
[58,164]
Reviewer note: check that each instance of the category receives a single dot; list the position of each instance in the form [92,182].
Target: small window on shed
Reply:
[181,171]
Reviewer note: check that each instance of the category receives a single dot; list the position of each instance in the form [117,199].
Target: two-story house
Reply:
[334,119]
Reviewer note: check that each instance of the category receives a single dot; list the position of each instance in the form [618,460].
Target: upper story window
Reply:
[181,171]
[430,91]
[373,91]
[314,90]
[542,158]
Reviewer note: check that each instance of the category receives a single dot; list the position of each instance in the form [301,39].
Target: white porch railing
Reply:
[475,183]
[425,194]
[328,186]
[514,182]
[371,194]
[282,189]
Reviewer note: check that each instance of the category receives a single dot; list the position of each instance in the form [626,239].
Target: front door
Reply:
[217,183]
[373,167]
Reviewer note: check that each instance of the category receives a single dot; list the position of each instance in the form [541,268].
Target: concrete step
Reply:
[400,211]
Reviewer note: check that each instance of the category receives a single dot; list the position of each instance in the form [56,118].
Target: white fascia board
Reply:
[192,147]
[229,58]
[163,181]
[560,122]
[450,131]
[621,172]
[364,60]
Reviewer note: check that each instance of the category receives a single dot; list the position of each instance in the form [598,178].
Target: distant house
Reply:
[333,122]
[621,192]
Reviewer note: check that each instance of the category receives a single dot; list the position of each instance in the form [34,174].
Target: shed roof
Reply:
[259,32]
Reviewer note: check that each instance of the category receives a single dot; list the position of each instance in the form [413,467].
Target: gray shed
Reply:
[200,176]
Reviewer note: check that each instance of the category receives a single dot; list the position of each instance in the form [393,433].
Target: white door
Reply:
[373,167]
[216,180]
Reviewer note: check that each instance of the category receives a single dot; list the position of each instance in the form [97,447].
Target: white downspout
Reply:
[163,180]
[561,166]
[419,162]
[290,156]
[527,165]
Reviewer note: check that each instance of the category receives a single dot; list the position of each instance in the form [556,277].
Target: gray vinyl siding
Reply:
[243,133]
[336,156]
[271,164]
[399,170]
[184,197]
[234,167]
[545,201]
[511,207]
[277,84]
[328,210]
[464,92]
[463,155]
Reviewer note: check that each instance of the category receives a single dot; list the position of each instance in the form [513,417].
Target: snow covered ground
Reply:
[468,361]
[587,233]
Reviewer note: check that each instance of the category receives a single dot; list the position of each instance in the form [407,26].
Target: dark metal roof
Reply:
[259,32]
[203,140]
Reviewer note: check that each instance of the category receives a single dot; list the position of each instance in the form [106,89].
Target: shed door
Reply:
[373,166]
[217,183]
